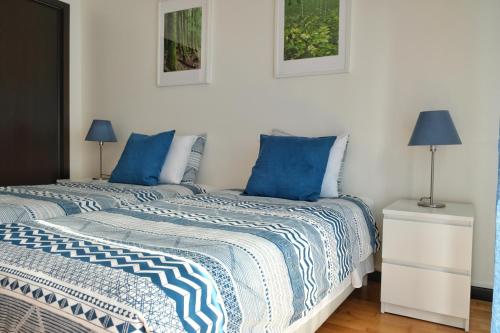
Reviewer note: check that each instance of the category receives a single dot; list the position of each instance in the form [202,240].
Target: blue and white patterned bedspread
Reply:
[24,203]
[207,263]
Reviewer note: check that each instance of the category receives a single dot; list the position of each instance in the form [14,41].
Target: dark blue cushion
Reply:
[142,159]
[290,167]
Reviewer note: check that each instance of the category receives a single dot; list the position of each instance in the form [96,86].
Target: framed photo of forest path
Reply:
[184,42]
[312,37]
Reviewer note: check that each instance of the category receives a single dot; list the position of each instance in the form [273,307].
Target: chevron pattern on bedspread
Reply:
[207,263]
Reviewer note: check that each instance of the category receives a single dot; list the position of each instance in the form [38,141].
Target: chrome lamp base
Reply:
[102,176]
[426,202]
[429,201]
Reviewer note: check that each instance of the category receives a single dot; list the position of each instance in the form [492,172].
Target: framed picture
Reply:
[312,37]
[184,46]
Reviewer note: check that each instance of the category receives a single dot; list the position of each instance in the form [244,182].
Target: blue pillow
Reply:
[290,167]
[142,159]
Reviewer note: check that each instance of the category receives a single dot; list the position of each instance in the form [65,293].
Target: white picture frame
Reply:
[312,66]
[201,75]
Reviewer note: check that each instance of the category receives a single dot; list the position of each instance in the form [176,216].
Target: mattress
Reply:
[24,203]
[218,262]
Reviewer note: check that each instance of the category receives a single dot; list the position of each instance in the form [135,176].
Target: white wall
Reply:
[77,169]
[406,56]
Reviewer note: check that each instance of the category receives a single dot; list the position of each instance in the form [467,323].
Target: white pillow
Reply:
[333,174]
[332,179]
[177,159]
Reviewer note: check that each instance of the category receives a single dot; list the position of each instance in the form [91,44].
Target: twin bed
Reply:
[102,257]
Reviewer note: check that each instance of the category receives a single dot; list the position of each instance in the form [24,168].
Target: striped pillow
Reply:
[194,161]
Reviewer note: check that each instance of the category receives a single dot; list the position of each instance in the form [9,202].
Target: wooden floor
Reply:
[361,313]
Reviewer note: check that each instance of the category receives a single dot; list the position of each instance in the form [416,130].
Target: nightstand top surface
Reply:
[453,210]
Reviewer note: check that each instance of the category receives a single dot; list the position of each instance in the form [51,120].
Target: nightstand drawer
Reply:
[426,290]
[428,244]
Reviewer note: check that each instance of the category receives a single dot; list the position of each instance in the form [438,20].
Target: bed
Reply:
[218,262]
[24,203]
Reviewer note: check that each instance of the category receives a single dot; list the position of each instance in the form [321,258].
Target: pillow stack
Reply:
[332,181]
[290,167]
[164,158]
[298,168]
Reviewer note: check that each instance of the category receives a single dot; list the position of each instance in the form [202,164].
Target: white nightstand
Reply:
[426,262]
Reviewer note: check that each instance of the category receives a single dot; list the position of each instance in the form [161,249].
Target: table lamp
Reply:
[101,131]
[434,128]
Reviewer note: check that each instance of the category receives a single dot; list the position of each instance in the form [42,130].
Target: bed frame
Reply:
[327,307]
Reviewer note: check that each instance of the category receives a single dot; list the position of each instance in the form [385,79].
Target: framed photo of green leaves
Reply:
[184,45]
[312,37]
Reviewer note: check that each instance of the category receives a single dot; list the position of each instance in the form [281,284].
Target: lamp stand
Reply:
[101,175]
[429,201]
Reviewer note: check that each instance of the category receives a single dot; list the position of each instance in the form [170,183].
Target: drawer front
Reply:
[433,291]
[428,244]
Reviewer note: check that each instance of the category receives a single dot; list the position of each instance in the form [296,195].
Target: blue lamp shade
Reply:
[101,130]
[434,128]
